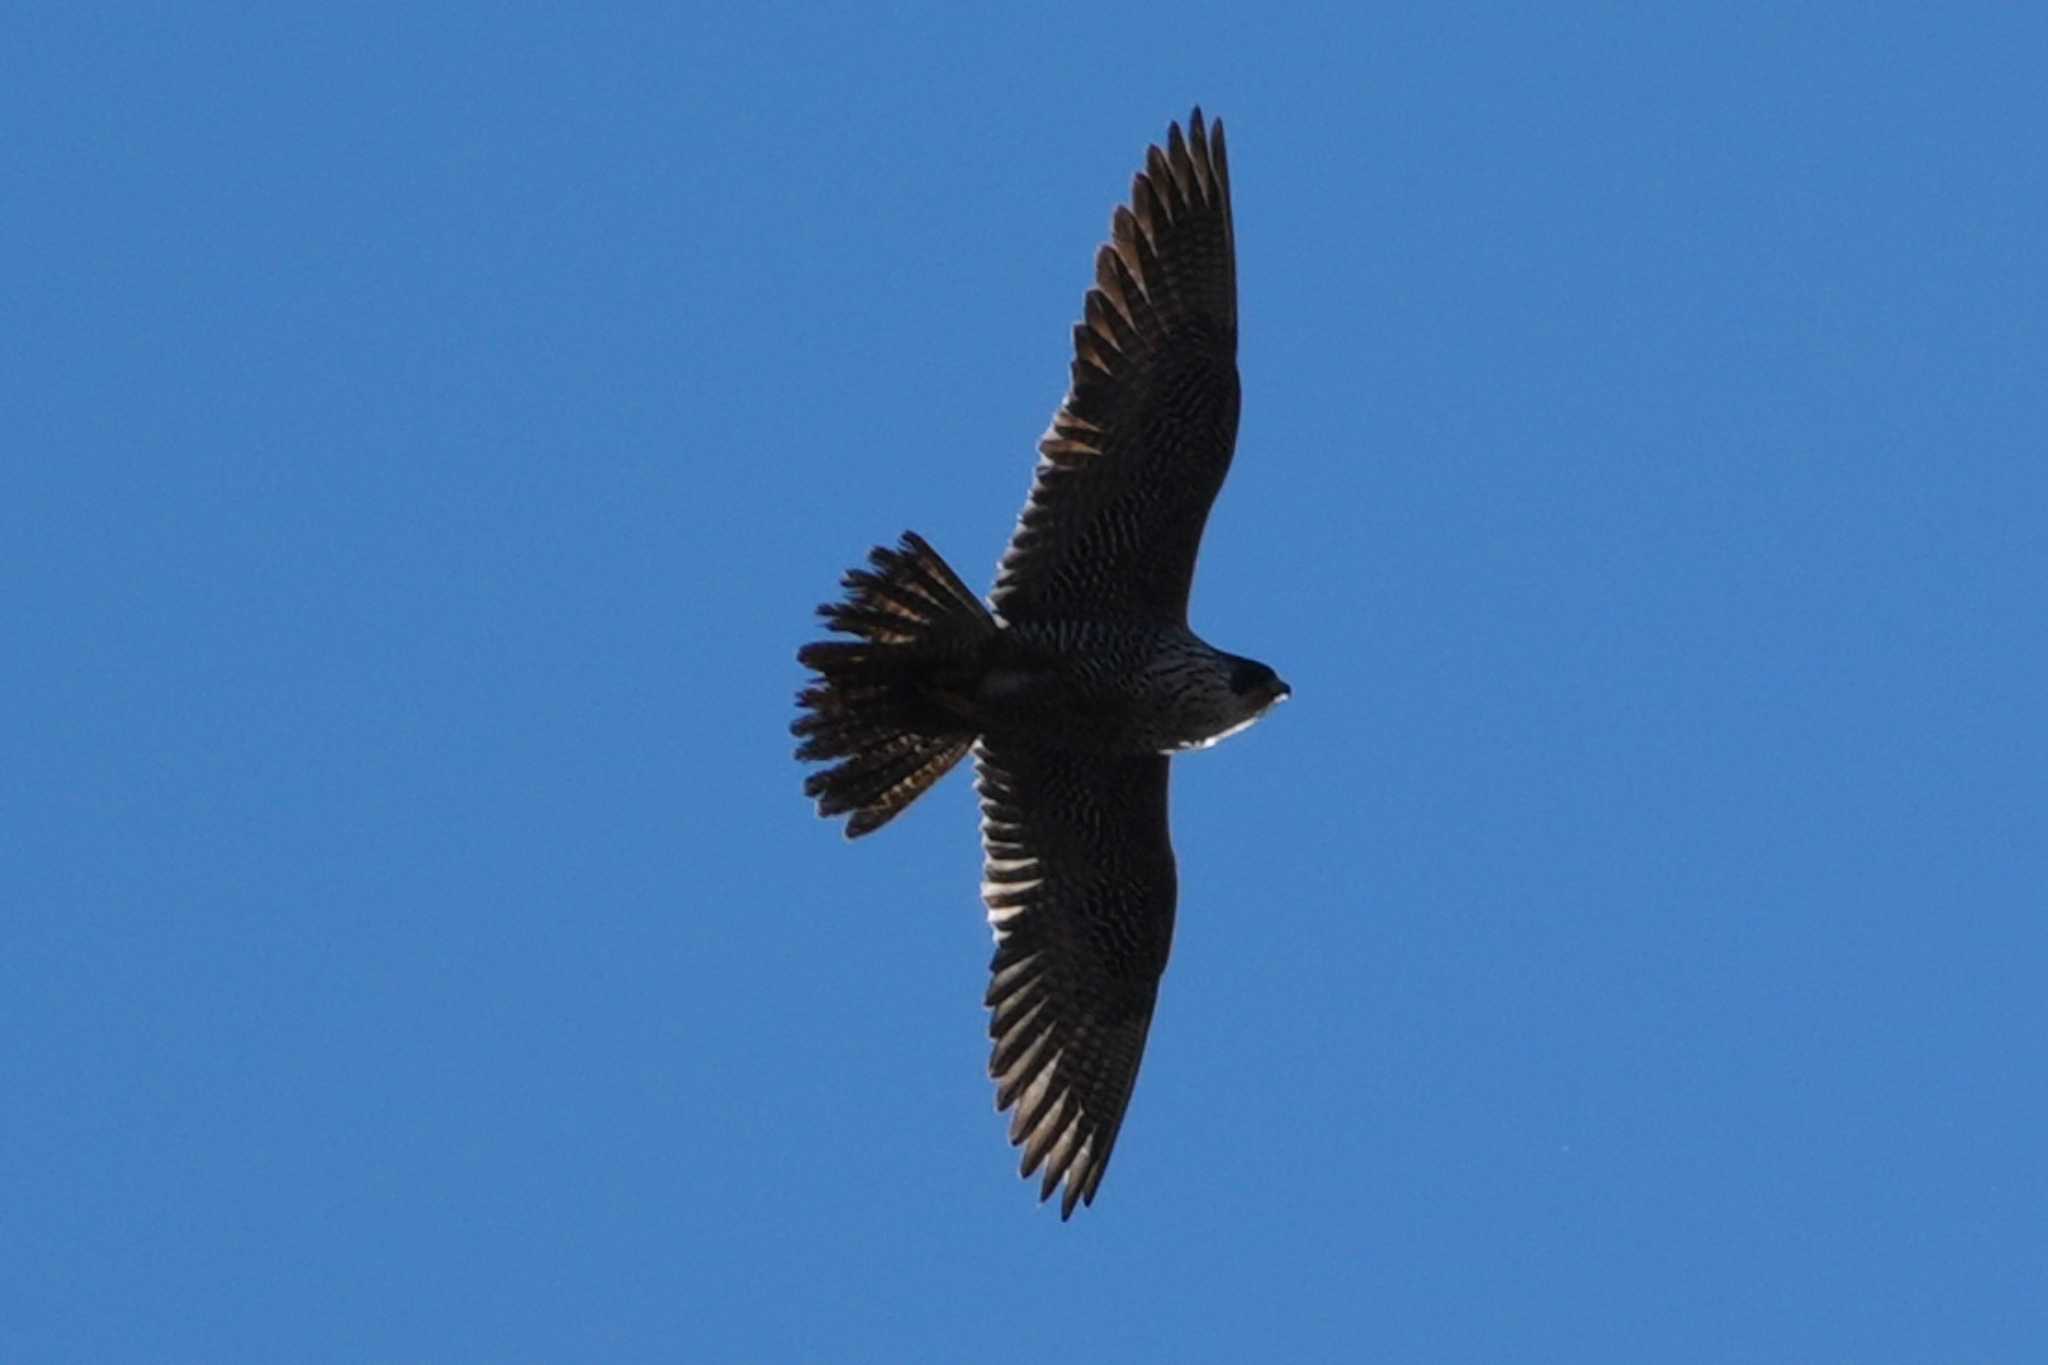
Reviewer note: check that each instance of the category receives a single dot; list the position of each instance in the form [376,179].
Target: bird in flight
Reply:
[1078,680]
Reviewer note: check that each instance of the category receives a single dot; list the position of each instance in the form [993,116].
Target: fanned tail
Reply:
[891,704]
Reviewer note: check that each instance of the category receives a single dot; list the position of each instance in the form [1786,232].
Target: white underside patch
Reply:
[1214,739]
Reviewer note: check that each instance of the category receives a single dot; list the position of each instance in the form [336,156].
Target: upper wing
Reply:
[1079,880]
[1138,449]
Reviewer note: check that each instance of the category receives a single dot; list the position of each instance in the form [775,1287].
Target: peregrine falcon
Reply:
[1078,680]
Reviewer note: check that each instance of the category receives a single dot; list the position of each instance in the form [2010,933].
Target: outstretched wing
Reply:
[1137,451]
[1079,880]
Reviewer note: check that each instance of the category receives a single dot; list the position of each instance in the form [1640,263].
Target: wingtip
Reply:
[1199,157]
[1200,123]
[1070,1198]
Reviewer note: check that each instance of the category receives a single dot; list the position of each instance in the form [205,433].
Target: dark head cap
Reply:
[1250,678]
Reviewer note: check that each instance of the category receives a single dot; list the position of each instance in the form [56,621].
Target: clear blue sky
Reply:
[427,429]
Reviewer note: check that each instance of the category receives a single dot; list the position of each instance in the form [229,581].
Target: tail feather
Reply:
[881,703]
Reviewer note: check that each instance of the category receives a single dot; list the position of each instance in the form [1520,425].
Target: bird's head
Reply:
[1257,686]
[1252,690]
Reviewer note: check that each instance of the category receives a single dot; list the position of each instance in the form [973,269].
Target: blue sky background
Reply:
[428,428]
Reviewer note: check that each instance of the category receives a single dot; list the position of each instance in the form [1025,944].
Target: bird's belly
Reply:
[1052,707]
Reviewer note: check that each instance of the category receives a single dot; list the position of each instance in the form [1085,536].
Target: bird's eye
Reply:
[1248,675]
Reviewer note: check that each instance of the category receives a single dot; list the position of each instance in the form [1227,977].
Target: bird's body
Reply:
[1107,687]
[1074,690]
